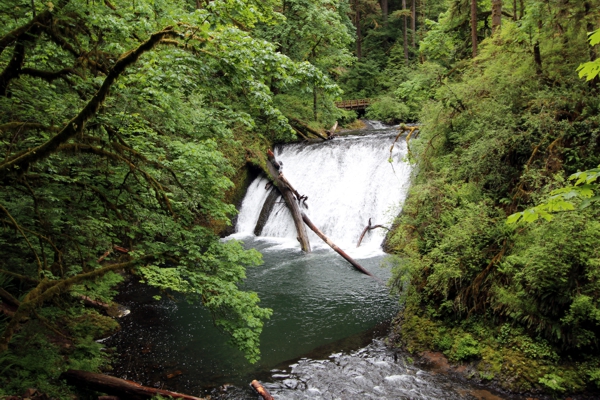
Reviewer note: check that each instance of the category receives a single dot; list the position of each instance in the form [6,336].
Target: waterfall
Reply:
[347,180]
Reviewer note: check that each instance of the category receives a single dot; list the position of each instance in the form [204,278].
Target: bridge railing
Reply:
[353,104]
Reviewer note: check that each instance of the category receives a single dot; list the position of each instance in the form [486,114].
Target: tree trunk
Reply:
[537,57]
[117,387]
[514,10]
[358,33]
[301,126]
[496,16]
[405,33]
[289,195]
[593,55]
[314,101]
[522,9]
[341,252]
[384,9]
[414,23]
[265,211]
[331,133]
[474,27]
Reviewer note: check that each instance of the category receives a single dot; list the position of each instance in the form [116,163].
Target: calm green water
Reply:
[317,299]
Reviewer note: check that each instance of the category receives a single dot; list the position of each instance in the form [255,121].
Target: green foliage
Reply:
[563,199]
[388,110]
[465,348]
[553,382]
[102,288]
[36,360]
[122,127]
[591,69]
[502,133]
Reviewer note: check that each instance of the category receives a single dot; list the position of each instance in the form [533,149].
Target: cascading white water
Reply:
[347,180]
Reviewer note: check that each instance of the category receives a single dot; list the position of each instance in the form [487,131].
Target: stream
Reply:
[325,337]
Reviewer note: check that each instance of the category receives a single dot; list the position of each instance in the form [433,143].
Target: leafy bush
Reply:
[388,110]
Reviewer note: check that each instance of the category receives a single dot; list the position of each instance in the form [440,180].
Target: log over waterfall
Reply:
[293,200]
[288,193]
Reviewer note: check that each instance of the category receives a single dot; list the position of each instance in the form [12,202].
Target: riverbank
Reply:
[490,359]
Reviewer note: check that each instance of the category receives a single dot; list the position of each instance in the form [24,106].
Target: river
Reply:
[324,339]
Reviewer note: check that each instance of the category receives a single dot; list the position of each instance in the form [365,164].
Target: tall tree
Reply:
[404,31]
[496,15]
[358,31]
[414,22]
[316,31]
[474,27]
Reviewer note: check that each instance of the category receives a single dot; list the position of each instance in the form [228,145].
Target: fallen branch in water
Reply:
[341,252]
[368,228]
[261,390]
[289,195]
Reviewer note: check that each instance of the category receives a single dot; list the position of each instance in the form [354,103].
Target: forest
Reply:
[130,129]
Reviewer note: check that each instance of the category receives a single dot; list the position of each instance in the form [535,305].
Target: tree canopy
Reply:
[120,125]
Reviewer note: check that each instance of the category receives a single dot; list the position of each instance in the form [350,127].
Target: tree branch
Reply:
[48,76]
[77,124]
[46,290]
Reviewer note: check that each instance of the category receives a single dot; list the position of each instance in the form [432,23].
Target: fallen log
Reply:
[266,211]
[368,228]
[289,195]
[261,390]
[116,386]
[301,126]
[341,252]
[331,133]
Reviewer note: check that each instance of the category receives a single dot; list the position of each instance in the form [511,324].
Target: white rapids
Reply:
[347,180]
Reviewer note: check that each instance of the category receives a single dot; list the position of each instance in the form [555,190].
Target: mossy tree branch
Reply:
[46,290]
[77,124]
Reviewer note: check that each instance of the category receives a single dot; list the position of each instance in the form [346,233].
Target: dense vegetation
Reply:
[502,130]
[127,129]
[122,127]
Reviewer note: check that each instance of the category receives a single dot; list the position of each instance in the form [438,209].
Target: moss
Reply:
[90,323]
[500,354]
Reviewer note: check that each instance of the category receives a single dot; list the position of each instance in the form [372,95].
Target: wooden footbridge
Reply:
[359,104]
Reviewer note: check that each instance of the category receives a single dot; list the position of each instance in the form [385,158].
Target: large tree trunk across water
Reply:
[289,195]
[341,252]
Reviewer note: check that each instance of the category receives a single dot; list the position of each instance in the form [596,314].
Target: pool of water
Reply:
[317,299]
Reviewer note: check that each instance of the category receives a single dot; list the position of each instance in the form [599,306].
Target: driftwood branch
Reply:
[331,133]
[368,228]
[261,390]
[117,387]
[341,252]
[299,125]
[403,128]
